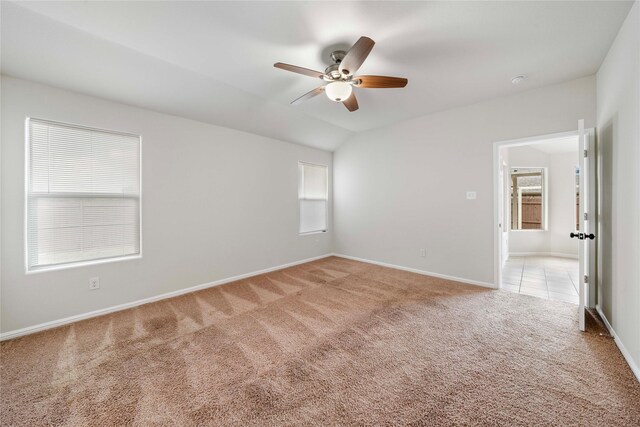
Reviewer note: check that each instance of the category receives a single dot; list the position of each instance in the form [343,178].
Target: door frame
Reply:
[497,169]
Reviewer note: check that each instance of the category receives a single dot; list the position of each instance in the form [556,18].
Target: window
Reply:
[83,194]
[528,210]
[313,197]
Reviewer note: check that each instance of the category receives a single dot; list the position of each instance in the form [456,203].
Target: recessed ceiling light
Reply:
[517,79]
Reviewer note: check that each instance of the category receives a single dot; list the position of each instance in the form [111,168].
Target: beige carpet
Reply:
[333,342]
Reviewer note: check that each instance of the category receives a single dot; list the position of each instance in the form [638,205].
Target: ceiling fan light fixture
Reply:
[340,76]
[338,91]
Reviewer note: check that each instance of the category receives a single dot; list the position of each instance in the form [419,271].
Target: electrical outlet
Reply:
[471,195]
[94,283]
[423,253]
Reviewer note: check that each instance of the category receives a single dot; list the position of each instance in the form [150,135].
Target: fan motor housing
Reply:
[332,70]
[337,56]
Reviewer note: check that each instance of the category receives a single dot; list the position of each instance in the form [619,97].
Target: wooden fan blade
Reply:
[380,82]
[308,95]
[351,103]
[356,56]
[299,70]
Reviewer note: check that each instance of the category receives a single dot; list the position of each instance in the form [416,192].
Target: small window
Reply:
[527,199]
[313,197]
[83,194]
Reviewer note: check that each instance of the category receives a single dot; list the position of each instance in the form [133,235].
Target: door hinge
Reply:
[586,216]
[586,153]
[586,279]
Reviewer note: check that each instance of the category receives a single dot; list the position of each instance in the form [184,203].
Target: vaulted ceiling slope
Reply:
[213,61]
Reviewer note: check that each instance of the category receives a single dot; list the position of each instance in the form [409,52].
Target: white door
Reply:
[585,233]
[505,207]
[501,213]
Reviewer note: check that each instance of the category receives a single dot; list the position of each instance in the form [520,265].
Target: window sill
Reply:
[44,269]
[308,233]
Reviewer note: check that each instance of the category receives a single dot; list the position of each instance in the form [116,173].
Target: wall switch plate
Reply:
[423,253]
[94,283]
[471,195]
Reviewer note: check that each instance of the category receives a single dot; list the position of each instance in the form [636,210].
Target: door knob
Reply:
[582,236]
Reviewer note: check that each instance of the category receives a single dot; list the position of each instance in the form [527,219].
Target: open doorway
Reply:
[540,201]
[545,217]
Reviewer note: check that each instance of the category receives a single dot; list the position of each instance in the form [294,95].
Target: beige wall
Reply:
[216,203]
[618,82]
[403,187]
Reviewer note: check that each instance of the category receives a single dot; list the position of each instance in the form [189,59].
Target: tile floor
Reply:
[545,277]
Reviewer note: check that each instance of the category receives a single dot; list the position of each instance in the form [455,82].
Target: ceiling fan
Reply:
[340,76]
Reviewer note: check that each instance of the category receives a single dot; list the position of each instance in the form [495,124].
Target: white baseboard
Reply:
[618,341]
[71,319]
[552,254]
[423,272]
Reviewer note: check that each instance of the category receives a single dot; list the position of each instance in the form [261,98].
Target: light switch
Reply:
[471,195]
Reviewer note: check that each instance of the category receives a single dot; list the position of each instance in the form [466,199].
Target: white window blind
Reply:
[83,194]
[313,197]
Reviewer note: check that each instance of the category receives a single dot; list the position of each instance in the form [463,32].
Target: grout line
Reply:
[521,275]
[573,284]
[546,284]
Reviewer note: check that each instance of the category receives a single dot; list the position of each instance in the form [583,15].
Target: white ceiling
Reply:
[213,61]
